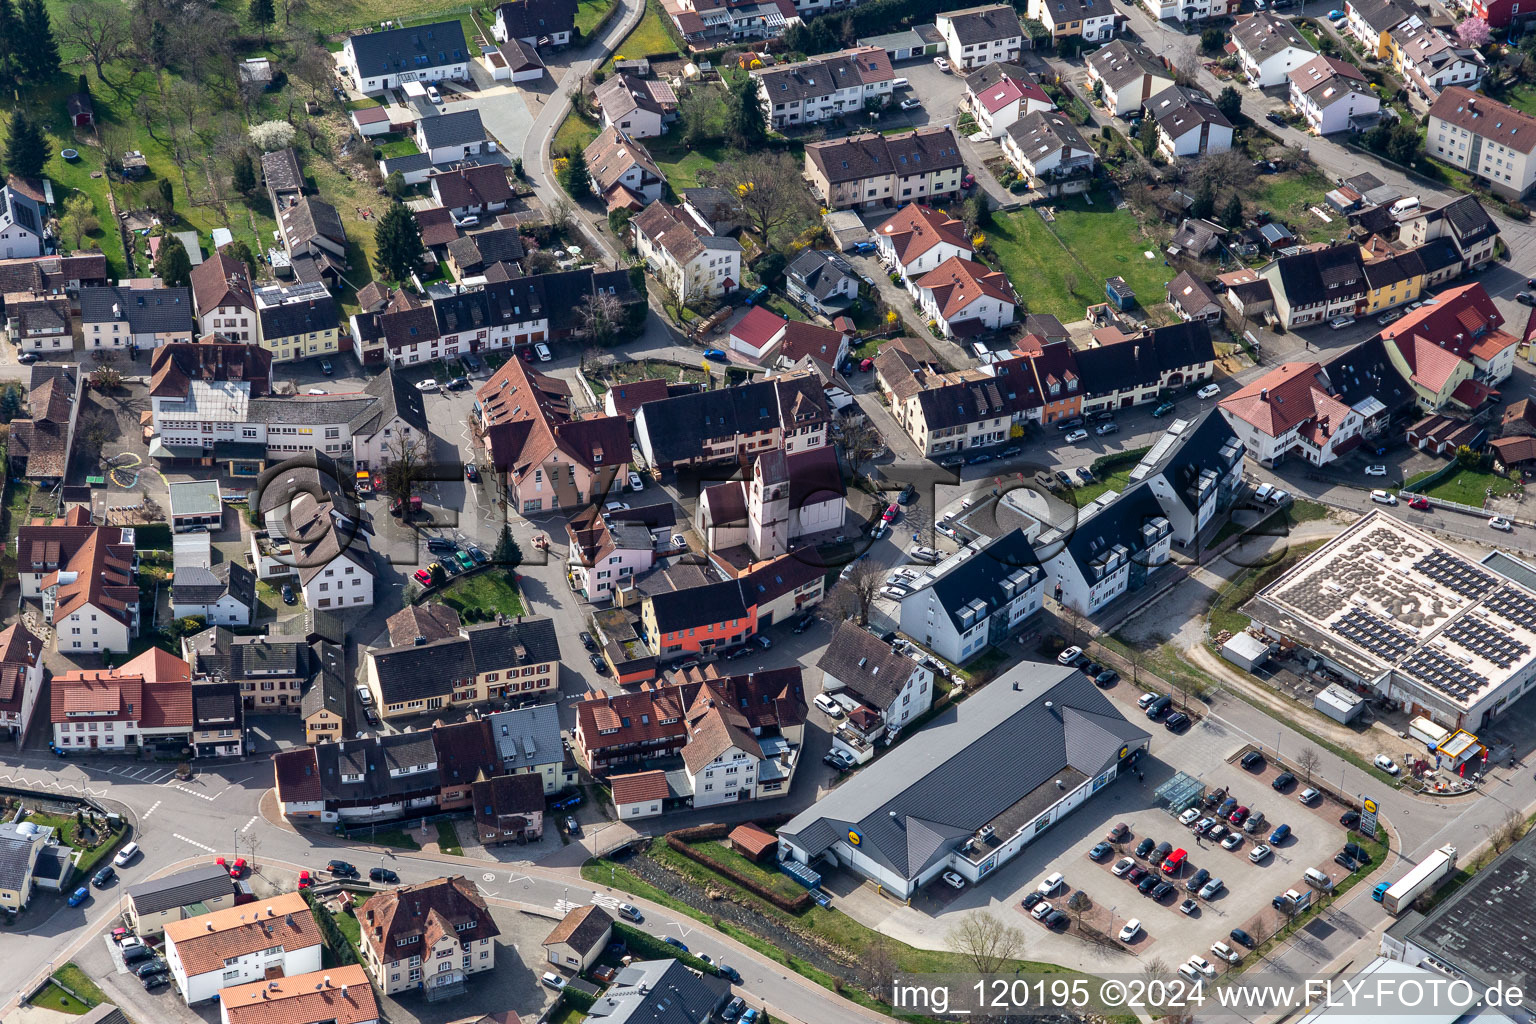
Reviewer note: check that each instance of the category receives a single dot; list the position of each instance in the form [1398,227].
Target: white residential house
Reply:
[380,61]
[606,557]
[622,171]
[916,239]
[1430,62]
[640,108]
[1331,94]
[1111,546]
[684,253]
[962,297]
[977,36]
[1290,412]
[120,319]
[1051,153]
[1130,74]
[23,224]
[226,305]
[1269,48]
[539,23]
[827,86]
[976,598]
[273,937]
[1093,20]
[1188,124]
[999,94]
[1491,140]
[453,137]
[858,665]
[1190,10]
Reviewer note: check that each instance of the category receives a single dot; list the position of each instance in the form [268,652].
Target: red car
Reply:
[1174,861]
[237,868]
[890,512]
[527,355]
[1421,503]
[303,879]
[1238,816]
[422,576]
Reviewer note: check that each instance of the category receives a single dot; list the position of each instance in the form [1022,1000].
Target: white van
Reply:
[1318,879]
[1403,207]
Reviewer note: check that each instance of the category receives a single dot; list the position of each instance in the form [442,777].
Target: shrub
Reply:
[752,885]
[1517,211]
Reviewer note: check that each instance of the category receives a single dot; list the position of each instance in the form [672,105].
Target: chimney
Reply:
[1263,394]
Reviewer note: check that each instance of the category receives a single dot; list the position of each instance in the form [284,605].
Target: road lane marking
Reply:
[194,842]
[248,824]
[192,792]
[152,809]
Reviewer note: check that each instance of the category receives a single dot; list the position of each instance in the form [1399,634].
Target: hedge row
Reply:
[645,946]
[793,906]
[582,1001]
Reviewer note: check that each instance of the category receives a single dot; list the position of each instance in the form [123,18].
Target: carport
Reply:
[1180,793]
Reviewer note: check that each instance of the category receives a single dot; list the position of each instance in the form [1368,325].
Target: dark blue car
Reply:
[669,940]
[79,896]
[715,354]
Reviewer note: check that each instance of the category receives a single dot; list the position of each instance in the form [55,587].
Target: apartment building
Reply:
[221,294]
[787,412]
[1269,48]
[825,87]
[298,321]
[1491,141]
[683,252]
[945,413]
[274,937]
[126,319]
[1131,74]
[978,36]
[885,170]
[1051,153]
[1332,94]
[429,937]
[380,61]
[485,662]
[975,599]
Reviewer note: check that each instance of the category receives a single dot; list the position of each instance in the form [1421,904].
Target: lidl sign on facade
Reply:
[855,838]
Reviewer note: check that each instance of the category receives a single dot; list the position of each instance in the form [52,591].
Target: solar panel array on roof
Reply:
[1444,673]
[1514,606]
[1457,573]
[1486,641]
[1373,633]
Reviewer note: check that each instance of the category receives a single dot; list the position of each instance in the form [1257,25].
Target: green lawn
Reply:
[775,881]
[590,13]
[1470,487]
[1060,268]
[681,164]
[393,145]
[1119,480]
[395,837]
[650,38]
[448,839]
[575,133]
[55,998]
[1290,197]
[1521,97]
[488,590]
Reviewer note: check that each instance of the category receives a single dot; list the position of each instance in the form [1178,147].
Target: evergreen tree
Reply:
[167,195]
[241,253]
[243,173]
[398,239]
[507,554]
[27,149]
[1205,202]
[10,33]
[1232,211]
[574,178]
[1229,103]
[748,127]
[172,265]
[39,58]
[262,14]
[83,84]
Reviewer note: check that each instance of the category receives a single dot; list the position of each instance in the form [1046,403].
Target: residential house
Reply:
[338,995]
[149,906]
[625,399]
[1131,75]
[622,171]
[576,942]
[382,778]
[1122,370]
[784,500]
[145,704]
[452,137]
[1332,95]
[221,294]
[917,238]
[1269,48]
[975,599]
[822,281]
[1513,454]
[1196,472]
[473,256]
[298,321]
[885,170]
[1429,61]
[489,661]
[762,335]
[1453,352]
[39,323]
[40,441]
[1188,123]
[1370,21]
[963,298]
[998,94]
[508,809]
[56,276]
[539,23]
[21,843]
[641,108]
[549,458]
[21,678]
[476,191]
[126,319]
[380,61]
[1393,280]
[890,689]
[1193,299]
[218,720]
[736,424]
[1492,141]
[920,40]
[1249,295]
[1498,13]
[1290,412]
[322,543]
[685,254]
[945,413]
[1461,220]
[221,594]
[1052,155]
[977,36]
[1317,285]
[1110,547]
[528,740]
[278,937]
[84,577]
[691,996]
[427,937]
[606,557]
[1063,739]
[466,752]
[1093,20]
[271,670]
[23,222]
[709,24]
[824,87]
[326,707]
[1188,11]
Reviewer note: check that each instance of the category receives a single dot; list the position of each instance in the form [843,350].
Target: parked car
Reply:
[1106,678]
[953,880]
[841,760]
[1145,847]
[79,896]
[153,965]
[804,623]
[827,706]
[1123,865]
[1309,795]
[1502,524]
[1189,816]
[1147,884]
[1384,497]
[1073,656]
[1135,875]
[1241,937]
[1160,892]
[1196,880]
[1051,884]
[553,980]
[1280,833]
[1119,833]
[341,869]
[572,826]
[1419,503]
[1345,861]
[941,64]
[1131,930]
[1253,759]
[1376,469]
[1274,117]
[1258,853]
[1349,819]
[104,877]
[1176,721]
[1338,323]
[1283,781]
[714,353]
[1031,900]
[1238,816]
[1525,298]
[154,981]
[1233,841]
[126,854]
[289,597]
[1076,436]
[1386,764]
[910,104]
[1189,907]
[1163,410]
[1209,391]
[1211,889]
[1105,429]
[1100,851]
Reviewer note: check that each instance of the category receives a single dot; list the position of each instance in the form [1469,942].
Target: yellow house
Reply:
[1392,280]
[1371,23]
[298,321]
[1433,372]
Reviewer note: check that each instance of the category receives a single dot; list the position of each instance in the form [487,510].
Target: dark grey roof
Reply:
[375,759]
[1479,929]
[1177,110]
[969,591]
[460,128]
[281,171]
[500,302]
[182,889]
[328,687]
[527,736]
[867,665]
[984,24]
[699,606]
[1122,62]
[1379,14]
[408,163]
[147,310]
[678,426]
[307,410]
[1367,371]
[1468,220]
[1315,277]
[15,859]
[428,670]
[1265,34]
[486,247]
[530,19]
[1046,131]
[217,706]
[1128,523]
[218,653]
[1208,447]
[660,992]
[976,760]
[655,517]
[395,397]
[198,585]
[819,272]
[409,50]
[287,319]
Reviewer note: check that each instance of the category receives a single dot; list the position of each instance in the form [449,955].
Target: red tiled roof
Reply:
[752,840]
[758,327]
[1277,401]
[914,229]
[641,786]
[1514,450]
[1472,393]
[957,282]
[304,998]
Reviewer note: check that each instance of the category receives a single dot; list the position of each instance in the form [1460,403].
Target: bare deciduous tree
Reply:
[1508,831]
[600,315]
[406,463]
[855,591]
[315,69]
[857,437]
[770,190]
[99,30]
[1308,760]
[879,964]
[986,942]
[672,304]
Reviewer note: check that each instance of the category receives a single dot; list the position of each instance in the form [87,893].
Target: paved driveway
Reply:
[503,110]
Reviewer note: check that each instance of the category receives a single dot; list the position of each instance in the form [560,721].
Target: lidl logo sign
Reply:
[855,838]
[1123,751]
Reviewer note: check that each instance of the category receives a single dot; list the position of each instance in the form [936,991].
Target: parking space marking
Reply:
[153,807]
[194,842]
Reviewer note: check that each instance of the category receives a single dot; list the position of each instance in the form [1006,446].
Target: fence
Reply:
[1438,476]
